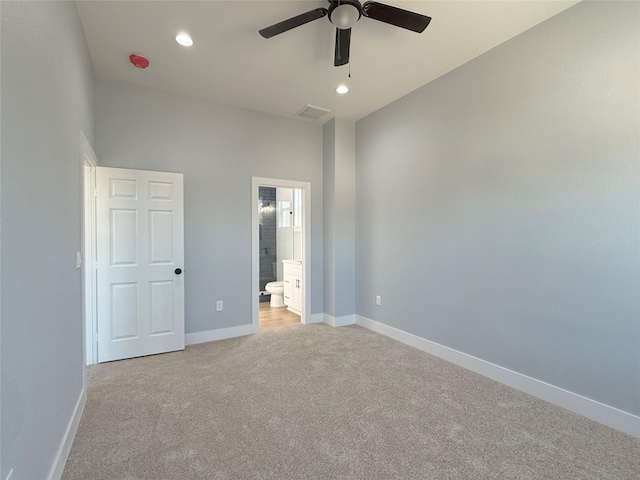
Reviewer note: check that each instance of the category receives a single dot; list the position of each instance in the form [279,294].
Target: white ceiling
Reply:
[232,64]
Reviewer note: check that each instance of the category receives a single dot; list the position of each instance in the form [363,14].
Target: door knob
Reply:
[178,271]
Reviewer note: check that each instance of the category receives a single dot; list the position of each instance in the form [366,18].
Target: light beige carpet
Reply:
[315,402]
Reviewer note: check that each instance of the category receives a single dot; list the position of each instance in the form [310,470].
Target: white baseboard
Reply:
[315,318]
[219,334]
[599,412]
[339,321]
[67,440]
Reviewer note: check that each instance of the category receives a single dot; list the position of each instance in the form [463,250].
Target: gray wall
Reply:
[328,208]
[338,176]
[345,199]
[47,98]
[219,149]
[498,206]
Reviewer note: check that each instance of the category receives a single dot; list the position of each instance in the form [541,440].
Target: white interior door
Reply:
[140,253]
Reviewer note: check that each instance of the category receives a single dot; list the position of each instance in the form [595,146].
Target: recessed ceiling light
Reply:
[184,39]
[342,89]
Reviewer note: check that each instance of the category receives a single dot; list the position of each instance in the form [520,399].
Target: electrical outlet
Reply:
[219,306]
[378,300]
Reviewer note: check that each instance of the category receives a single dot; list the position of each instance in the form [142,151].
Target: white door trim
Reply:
[88,162]
[255,244]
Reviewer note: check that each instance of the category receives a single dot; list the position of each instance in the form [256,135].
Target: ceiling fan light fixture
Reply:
[342,89]
[345,14]
[184,39]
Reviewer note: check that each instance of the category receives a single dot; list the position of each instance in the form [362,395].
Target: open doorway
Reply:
[280,280]
[280,253]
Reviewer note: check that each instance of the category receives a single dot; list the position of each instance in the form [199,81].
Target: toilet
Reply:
[276,289]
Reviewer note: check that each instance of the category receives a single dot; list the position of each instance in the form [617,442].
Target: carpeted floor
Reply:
[316,402]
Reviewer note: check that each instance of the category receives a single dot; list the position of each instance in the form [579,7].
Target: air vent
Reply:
[310,112]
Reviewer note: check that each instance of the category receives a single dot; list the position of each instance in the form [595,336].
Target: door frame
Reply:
[88,164]
[257,182]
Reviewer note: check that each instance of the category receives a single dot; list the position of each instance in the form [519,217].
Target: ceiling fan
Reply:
[344,14]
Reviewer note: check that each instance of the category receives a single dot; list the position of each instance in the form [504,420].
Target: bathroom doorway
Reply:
[280,250]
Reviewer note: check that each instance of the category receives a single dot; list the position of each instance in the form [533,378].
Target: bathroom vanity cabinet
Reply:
[293,285]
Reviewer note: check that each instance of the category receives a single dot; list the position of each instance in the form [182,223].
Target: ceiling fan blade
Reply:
[396,16]
[293,22]
[343,42]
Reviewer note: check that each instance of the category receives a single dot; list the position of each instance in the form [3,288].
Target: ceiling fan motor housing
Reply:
[345,13]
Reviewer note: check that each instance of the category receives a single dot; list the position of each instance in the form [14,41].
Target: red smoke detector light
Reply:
[139,61]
